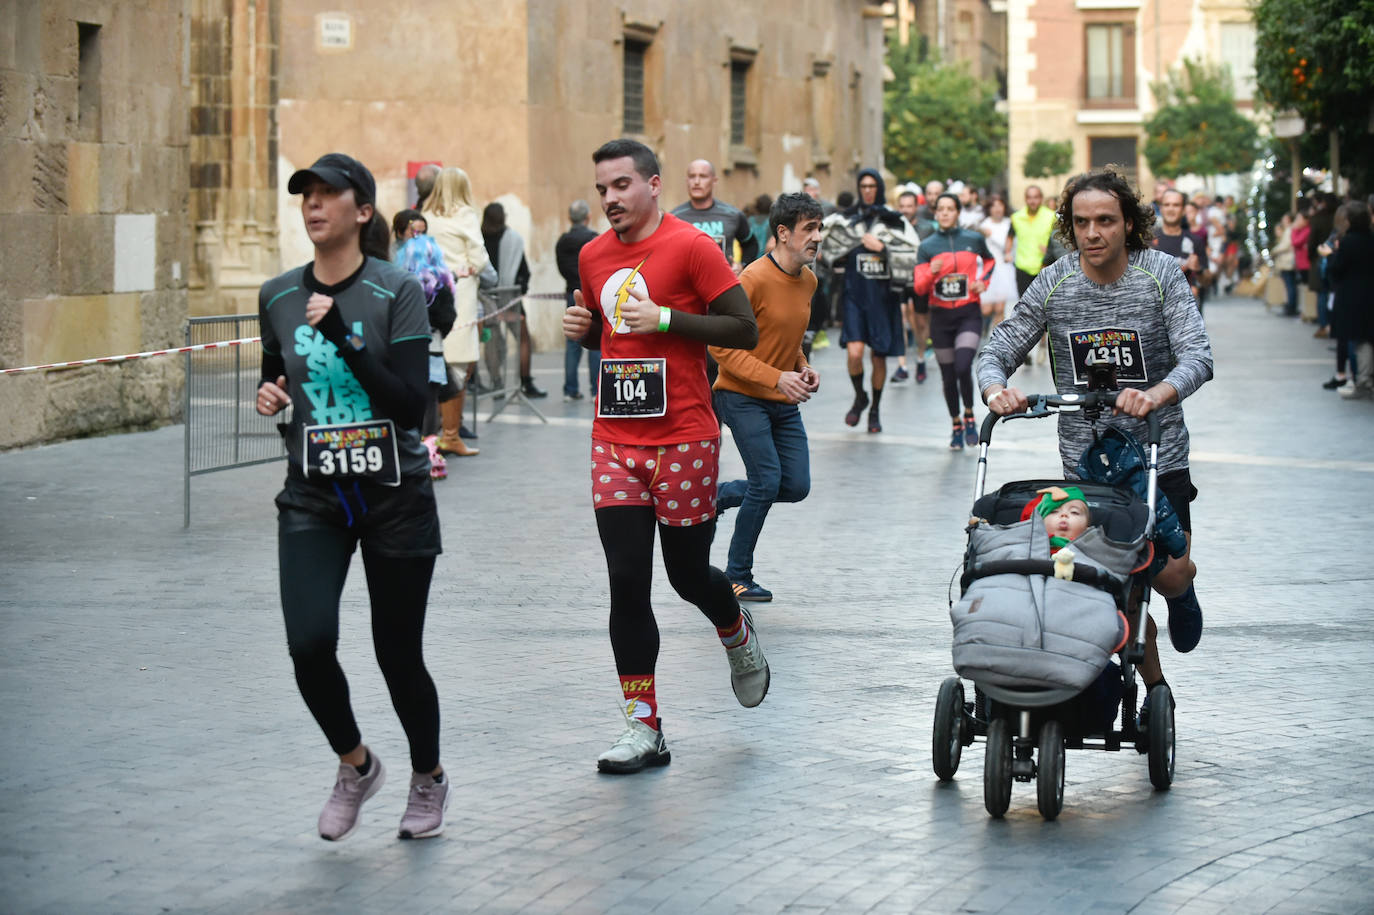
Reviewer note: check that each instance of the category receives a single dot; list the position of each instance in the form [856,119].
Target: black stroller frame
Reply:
[1015,723]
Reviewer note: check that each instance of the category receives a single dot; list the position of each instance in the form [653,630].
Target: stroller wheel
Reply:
[997,768]
[947,743]
[1160,730]
[1049,773]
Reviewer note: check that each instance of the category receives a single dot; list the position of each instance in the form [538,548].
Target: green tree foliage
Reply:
[1046,158]
[1317,57]
[1196,128]
[941,122]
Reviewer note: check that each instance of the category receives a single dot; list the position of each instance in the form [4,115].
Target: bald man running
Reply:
[725,224]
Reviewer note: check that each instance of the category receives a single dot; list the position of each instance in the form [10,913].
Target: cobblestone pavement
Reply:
[158,757]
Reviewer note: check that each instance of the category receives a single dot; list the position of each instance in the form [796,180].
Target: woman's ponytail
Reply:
[375,237]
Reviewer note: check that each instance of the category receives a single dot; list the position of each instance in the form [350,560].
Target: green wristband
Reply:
[664,314]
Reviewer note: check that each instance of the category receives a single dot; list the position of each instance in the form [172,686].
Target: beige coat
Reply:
[460,238]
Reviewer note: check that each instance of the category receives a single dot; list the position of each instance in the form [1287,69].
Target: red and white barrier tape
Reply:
[129,357]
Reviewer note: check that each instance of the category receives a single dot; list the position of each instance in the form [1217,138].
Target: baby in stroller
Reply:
[1037,636]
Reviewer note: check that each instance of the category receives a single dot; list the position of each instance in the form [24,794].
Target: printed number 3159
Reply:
[352,460]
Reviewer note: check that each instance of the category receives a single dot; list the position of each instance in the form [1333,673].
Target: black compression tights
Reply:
[314,564]
[627,535]
[954,334]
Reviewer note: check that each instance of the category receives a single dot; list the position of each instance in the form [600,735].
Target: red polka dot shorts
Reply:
[679,481]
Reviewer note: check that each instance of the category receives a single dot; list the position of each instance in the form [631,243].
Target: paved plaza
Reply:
[158,758]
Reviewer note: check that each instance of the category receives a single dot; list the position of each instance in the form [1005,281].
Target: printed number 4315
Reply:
[1112,355]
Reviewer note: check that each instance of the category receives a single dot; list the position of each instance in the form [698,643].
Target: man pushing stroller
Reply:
[1115,301]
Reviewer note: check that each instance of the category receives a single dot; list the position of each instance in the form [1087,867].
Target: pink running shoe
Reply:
[438,466]
[343,811]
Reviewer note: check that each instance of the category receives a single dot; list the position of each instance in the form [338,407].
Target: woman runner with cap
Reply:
[345,340]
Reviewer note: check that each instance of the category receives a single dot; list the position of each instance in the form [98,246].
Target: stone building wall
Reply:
[93,236]
[233,124]
[518,94]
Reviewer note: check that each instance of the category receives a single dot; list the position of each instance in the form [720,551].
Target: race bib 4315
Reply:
[1117,346]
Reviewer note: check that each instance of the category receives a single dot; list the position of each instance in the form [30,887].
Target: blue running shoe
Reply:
[1185,621]
[956,441]
[970,431]
[901,374]
[752,591]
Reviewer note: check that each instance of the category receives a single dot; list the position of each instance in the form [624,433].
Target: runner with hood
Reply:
[872,304]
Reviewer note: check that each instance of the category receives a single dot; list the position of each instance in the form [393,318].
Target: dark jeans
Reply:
[772,441]
[572,352]
[1290,286]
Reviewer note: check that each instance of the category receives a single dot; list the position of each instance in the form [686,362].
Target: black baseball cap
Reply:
[340,171]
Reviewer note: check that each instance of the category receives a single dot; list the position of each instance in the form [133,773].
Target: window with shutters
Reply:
[1118,151]
[632,122]
[1238,53]
[739,101]
[1109,64]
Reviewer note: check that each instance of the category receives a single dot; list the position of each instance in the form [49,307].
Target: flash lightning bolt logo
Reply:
[622,295]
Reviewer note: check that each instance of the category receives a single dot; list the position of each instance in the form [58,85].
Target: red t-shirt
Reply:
[677,266]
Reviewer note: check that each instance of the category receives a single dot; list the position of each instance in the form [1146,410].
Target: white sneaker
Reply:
[638,747]
[1350,390]
[424,816]
[748,668]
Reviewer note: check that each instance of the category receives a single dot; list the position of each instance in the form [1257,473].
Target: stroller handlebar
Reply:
[1042,405]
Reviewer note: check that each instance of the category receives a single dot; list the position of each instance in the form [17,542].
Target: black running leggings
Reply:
[954,333]
[314,564]
[627,535]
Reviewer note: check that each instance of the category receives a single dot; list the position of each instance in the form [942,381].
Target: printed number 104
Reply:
[628,389]
[351,460]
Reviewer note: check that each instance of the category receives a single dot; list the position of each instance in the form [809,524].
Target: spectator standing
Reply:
[1286,263]
[506,249]
[565,252]
[1322,220]
[457,228]
[1352,275]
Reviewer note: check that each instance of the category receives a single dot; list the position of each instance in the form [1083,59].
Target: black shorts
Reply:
[1023,281]
[920,304]
[397,521]
[877,324]
[1178,488]
[947,324]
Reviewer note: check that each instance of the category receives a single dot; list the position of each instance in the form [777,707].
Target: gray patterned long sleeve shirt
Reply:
[1146,322]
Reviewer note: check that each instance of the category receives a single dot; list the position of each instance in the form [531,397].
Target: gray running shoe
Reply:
[748,668]
[424,816]
[343,811]
[638,747]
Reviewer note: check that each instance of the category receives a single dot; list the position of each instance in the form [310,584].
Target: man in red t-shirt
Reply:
[655,291]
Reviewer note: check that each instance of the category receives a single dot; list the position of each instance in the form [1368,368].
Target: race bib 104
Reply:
[632,389]
[1117,346]
[353,451]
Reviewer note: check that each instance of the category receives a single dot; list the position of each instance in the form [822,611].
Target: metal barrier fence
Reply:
[498,352]
[222,425]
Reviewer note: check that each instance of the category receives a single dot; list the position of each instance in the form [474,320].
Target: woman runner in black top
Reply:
[345,340]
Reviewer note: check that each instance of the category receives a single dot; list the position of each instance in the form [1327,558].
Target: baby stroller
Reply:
[1037,647]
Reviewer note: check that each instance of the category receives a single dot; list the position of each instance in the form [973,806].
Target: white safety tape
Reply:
[128,357]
